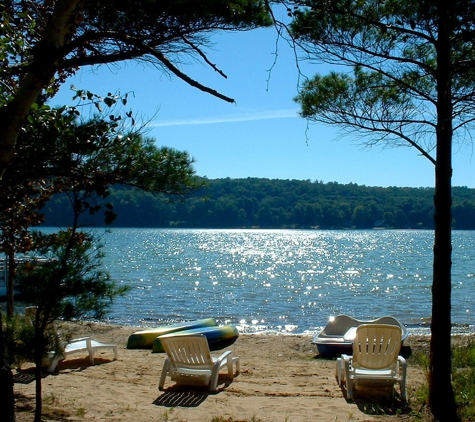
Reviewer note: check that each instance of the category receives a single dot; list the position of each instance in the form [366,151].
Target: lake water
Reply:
[283,280]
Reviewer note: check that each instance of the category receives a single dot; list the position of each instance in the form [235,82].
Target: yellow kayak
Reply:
[144,339]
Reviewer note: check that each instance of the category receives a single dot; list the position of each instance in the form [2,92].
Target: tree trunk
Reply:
[441,395]
[38,379]
[10,280]
[7,398]
[39,323]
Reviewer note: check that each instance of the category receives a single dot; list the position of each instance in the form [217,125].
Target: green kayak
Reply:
[218,337]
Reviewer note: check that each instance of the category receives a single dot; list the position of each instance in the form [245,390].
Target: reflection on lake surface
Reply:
[282,280]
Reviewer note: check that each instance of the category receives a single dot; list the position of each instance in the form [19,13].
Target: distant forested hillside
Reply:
[264,203]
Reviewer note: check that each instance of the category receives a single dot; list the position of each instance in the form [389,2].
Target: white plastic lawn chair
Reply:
[375,359]
[79,345]
[76,345]
[189,361]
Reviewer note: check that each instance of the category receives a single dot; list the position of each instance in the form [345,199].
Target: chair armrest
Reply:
[402,361]
[346,358]
[402,376]
[75,340]
[223,356]
[403,364]
[346,374]
[345,364]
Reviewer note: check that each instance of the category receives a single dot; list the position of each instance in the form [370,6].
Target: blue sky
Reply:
[261,134]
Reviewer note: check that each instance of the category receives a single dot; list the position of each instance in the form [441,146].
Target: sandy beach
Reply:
[282,379]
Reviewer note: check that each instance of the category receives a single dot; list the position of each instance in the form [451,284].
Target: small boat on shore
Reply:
[338,335]
[218,337]
[144,339]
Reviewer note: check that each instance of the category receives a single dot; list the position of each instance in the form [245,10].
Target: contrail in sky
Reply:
[231,118]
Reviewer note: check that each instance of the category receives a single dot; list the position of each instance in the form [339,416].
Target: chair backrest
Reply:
[188,350]
[376,346]
[30,313]
[51,332]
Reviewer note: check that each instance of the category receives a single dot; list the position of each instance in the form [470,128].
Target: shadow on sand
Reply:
[188,396]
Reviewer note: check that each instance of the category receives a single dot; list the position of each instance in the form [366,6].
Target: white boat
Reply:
[338,335]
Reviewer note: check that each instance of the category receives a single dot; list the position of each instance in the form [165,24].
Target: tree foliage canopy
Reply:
[45,42]
[69,281]
[59,152]
[392,47]
[162,33]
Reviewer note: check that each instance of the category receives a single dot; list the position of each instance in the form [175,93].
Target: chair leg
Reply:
[213,383]
[229,364]
[403,371]
[349,388]
[54,362]
[347,378]
[338,371]
[402,386]
[163,375]
[237,363]
[90,349]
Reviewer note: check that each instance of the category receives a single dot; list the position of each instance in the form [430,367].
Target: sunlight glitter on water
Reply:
[287,280]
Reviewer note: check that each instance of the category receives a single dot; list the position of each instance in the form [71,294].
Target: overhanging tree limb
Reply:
[186,78]
[139,49]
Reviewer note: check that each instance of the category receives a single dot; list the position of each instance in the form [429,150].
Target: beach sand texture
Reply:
[282,380]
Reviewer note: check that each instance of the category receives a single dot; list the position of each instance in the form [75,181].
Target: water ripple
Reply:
[282,280]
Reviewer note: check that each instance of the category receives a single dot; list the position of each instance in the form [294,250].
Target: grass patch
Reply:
[463,379]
